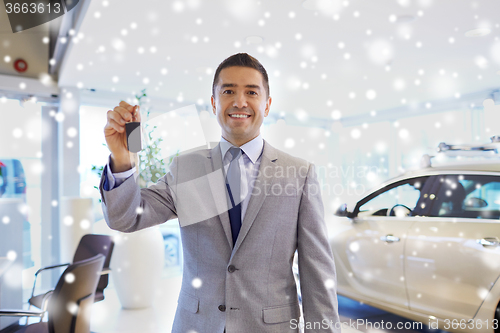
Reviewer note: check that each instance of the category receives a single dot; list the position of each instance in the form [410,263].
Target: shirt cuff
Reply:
[113,180]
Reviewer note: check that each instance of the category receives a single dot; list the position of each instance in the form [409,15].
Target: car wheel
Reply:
[171,250]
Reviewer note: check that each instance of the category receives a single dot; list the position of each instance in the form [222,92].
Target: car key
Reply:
[134,135]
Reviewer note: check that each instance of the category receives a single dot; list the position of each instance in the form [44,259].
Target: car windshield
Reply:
[405,194]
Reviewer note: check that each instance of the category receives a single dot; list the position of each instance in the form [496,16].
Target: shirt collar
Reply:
[252,148]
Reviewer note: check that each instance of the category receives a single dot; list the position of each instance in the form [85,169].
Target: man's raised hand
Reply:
[116,136]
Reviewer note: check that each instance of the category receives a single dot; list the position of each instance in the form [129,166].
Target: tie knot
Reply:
[235,153]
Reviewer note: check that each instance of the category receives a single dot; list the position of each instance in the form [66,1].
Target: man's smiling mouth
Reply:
[239,115]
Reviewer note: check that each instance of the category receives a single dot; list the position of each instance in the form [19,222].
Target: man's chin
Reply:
[242,136]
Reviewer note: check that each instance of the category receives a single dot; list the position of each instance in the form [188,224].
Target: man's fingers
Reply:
[124,113]
[126,106]
[113,126]
[117,127]
[116,117]
[136,113]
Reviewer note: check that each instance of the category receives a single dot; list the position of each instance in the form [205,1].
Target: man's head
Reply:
[240,97]
[242,60]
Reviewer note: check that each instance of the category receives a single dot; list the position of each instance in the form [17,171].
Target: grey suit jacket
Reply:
[249,288]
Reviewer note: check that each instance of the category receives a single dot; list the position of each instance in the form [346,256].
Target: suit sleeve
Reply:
[316,265]
[128,208]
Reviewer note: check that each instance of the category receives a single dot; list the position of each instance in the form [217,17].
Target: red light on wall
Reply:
[20,65]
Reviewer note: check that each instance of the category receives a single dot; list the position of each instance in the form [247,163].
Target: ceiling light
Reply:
[405,18]
[477,32]
[310,5]
[254,39]
[327,7]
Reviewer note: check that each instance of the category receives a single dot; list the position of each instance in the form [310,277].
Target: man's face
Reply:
[240,103]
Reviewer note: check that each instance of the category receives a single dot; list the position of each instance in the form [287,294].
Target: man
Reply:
[244,208]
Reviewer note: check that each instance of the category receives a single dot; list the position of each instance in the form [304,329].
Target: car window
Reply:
[468,196]
[394,200]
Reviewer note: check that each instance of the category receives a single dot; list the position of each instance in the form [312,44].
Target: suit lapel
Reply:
[214,168]
[262,184]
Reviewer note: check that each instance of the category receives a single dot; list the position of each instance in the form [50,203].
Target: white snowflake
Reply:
[72,308]
[11,255]
[69,278]
[196,283]
[68,220]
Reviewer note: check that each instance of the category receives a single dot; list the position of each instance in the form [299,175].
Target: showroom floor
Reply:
[109,317]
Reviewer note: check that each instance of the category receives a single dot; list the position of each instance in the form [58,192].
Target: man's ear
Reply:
[214,109]
[268,106]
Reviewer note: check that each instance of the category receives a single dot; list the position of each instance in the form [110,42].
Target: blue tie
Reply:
[233,181]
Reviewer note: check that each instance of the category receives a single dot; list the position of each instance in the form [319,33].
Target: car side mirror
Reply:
[475,203]
[343,211]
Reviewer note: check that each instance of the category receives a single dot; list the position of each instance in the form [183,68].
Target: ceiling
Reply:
[28,45]
[323,57]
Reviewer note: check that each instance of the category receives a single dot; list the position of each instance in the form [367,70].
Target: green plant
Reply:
[151,164]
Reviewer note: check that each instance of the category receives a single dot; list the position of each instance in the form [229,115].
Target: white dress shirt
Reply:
[249,166]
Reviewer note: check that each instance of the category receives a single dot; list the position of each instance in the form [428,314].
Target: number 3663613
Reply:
[32,8]
[473,324]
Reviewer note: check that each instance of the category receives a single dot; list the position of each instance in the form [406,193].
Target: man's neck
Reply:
[239,143]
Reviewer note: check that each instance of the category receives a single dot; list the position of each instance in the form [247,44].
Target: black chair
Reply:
[89,246]
[70,305]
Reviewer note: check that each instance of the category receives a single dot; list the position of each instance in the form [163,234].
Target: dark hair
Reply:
[242,60]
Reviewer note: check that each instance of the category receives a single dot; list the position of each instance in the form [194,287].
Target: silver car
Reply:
[425,245]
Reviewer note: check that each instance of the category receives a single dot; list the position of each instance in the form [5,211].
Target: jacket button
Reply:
[222,308]
[231,268]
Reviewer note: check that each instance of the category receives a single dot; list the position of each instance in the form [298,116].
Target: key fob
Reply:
[134,136]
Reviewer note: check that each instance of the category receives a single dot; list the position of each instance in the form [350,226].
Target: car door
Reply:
[453,258]
[371,247]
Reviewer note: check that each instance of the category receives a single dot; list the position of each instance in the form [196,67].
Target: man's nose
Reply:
[240,101]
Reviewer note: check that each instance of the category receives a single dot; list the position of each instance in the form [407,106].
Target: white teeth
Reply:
[239,116]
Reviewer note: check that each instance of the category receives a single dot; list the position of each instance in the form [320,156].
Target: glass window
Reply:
[20,173]
[395,200]
[468,196]
[93,153]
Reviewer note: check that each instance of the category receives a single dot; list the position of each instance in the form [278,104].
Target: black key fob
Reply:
[134,136]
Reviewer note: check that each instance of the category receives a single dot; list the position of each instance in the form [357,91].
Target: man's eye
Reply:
[227,91]
[253,93]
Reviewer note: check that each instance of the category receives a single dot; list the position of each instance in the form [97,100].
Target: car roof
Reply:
[473,165]
[466,167]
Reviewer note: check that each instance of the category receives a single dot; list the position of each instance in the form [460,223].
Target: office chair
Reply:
[71,301]
[89,246]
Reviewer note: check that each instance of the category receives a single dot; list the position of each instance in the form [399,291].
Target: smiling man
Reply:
[243,253]
[242,99]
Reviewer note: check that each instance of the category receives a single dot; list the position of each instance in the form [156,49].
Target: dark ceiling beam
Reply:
[60,41]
